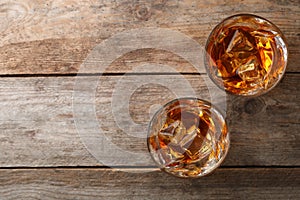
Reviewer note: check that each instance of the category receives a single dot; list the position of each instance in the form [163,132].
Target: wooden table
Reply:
[44,43]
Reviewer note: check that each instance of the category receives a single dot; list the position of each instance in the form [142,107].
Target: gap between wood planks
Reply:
[105,74]
[151,167]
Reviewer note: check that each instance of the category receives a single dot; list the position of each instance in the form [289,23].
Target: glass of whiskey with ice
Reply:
[188,137]
[246,55]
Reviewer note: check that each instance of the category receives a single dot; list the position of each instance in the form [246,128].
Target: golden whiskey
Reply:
[188,138]
[246,55]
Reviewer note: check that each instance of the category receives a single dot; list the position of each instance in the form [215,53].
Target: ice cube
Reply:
[189,137]
[235,40]
[239,42]
[250,71]
[170,129]
[179,133]
[200,148]
[176,151]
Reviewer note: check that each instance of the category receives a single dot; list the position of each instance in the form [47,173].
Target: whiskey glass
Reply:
[188,137]
[246,55]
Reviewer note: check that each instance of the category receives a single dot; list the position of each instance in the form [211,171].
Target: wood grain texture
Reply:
[44,43]
[37,125]
[66,184]
[42,37]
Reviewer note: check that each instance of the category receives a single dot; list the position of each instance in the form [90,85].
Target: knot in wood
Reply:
[143,12]
[254,106]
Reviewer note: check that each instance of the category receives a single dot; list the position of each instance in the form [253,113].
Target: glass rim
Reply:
[211,106]
[207,56]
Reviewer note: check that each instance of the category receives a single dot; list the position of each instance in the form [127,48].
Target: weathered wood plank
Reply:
[42,37]
[65,184]
[37,125]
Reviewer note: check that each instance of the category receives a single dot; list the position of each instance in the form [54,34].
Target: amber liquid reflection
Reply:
[247,56]
[189,141]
